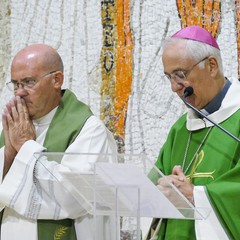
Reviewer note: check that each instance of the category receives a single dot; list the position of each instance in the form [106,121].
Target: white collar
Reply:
[45,120]
[230,104]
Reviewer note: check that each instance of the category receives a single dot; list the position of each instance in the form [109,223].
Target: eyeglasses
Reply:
[26,83]
[181,75]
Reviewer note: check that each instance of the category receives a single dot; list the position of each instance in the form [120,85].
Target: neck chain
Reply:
[187,148]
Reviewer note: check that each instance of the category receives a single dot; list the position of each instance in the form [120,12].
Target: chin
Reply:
[30,113]
[31,117]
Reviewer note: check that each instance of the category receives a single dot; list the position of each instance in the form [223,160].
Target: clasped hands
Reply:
[18,128]
[180,181]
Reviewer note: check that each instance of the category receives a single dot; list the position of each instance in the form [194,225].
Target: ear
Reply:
[213,66]
[58,79]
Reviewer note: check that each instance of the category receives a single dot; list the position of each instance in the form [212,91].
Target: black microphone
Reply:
[188,92]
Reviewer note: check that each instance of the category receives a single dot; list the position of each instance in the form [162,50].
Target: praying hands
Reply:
[180,181]
[17,127]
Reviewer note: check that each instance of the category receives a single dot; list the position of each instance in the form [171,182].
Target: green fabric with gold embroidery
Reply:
[56,230]
[215,167]
[66,124]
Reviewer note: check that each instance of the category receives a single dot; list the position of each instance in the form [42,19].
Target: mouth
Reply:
[27,101]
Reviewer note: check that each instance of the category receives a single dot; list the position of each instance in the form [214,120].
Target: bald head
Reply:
[42,66]
[40,57]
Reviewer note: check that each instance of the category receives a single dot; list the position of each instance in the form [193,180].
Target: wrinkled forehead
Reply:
[175,57]
[25,69]
[175,48]
[173,51]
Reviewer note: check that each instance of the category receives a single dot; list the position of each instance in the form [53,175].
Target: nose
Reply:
[176,86]
[20,91]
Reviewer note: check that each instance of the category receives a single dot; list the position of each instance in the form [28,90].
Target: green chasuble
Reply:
[220,165]
[66,124]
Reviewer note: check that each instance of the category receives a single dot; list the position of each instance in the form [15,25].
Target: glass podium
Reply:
[111,187]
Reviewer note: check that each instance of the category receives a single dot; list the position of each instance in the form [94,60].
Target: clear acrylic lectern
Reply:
[110,187]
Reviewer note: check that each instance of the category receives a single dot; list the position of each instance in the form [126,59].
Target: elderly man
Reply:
[200,159]
[43,117]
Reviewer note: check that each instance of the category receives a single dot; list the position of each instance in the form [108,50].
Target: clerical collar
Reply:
[215,104]
[45,120]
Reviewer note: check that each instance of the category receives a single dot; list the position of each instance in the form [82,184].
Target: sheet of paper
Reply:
[138,190]
[123,188]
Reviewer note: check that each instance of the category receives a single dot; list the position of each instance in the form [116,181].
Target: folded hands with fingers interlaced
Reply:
[179,180]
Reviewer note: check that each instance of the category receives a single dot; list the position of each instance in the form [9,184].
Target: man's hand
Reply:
[17,128]
[9,150]
[179,180]
[182,183]
[20,126]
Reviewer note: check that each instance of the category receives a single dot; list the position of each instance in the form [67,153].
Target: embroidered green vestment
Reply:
[216,167]
[66,124]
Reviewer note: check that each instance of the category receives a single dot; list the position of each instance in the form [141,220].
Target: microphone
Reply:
[188,92]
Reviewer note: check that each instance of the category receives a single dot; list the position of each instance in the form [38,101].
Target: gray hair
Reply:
[198,50]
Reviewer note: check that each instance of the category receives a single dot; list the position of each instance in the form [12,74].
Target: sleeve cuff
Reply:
[209,228]
[22,165]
